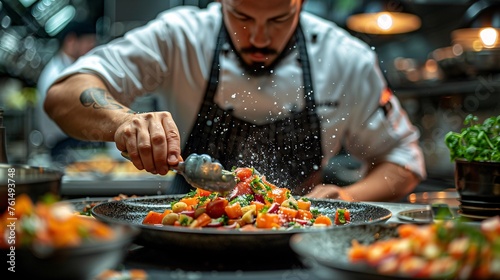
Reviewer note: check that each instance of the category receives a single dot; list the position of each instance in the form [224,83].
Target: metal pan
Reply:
[34,181]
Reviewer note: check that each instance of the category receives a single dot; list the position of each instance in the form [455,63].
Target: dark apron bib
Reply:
[288,152]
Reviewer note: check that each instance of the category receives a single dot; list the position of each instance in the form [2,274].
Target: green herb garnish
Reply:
[476,141]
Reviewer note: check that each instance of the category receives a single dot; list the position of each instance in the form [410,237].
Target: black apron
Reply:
[288,151]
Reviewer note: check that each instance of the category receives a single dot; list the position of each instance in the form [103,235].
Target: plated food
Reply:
[240,227]
[449,249]
[49,224]
[253,204]
[46,240]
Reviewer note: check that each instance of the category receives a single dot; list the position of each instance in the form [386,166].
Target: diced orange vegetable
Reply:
[357,252]
[289,213]
[190,201]
[406,230]
[267,220]
[23,206]
[153,218]
[304,205]
[258,206]
[200,192]
[279,194]
[322,219]
[233,211]
[304,215]
[202,220]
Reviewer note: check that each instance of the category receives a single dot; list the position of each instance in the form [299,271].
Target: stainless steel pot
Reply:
[34,181]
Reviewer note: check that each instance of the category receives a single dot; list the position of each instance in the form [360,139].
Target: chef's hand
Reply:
[151,140]
[330,191]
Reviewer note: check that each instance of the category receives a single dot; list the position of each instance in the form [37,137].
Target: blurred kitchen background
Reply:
[442,67]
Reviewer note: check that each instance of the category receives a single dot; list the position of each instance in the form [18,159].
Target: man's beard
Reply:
[257,68]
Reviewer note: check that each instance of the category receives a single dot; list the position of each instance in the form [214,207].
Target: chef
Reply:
[261,84]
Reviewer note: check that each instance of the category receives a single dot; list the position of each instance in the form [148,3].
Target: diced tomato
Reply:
[200,192]
[241,188]
[216,208]
[244,173]
[342,217]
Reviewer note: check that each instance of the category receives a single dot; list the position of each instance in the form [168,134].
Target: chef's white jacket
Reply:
[171,56]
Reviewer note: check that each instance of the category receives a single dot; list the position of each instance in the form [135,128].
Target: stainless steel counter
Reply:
[85,185]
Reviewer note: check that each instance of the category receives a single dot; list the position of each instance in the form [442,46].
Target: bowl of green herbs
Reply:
[475,150]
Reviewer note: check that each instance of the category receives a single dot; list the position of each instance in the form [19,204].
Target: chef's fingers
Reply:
[158,140]
[126,141]
[173,141]
[143,139]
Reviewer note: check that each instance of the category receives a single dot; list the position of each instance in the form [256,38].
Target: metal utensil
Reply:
[201,172]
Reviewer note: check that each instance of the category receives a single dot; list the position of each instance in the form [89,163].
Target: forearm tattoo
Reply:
[99,98]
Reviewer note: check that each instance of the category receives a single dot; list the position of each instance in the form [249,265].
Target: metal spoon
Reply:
[200,172]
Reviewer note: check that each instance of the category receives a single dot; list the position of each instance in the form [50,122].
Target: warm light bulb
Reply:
[384,21]
[488,37]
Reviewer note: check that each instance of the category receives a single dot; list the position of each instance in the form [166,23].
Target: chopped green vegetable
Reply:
[476,141]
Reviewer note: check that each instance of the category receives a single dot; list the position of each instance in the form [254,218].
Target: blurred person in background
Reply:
[76,39]
[251,83]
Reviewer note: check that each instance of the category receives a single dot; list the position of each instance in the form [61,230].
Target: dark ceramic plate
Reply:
[133,210]
[326,251]
[79,204]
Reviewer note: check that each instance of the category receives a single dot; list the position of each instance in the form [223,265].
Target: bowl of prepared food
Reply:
[47,240]
[31,180]
[256,216]
[452,249]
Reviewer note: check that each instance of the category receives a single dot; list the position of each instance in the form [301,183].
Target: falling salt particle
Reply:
[233,96]
[373,48]
[258,88]
[343,119]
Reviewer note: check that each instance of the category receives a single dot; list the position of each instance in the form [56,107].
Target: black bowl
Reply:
[83,262]
[477,180]
[34,181]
